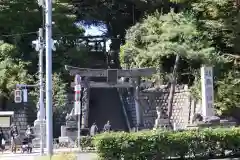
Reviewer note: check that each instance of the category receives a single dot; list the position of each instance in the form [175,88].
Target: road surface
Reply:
[35,155]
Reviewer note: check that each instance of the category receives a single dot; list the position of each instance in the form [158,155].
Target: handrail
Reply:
[124,111]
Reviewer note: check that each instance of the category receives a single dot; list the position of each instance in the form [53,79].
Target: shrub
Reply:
[86,143]
[164,144]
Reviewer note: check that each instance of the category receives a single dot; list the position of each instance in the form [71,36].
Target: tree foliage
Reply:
[59,94]
[156,40]
[116,15]
[12,72]
[21,19]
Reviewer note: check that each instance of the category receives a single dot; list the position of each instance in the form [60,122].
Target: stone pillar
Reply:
[63,131]
[37,129]
[136,98]
[37,133]
[207,92]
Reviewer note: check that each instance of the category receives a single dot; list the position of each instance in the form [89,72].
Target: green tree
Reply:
[25,16]
[117,15]
[12,72]
[228,93]
[159,38]
[59,94]
[217,19]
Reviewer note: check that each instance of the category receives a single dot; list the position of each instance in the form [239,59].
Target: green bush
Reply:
[164,144]
[86,143]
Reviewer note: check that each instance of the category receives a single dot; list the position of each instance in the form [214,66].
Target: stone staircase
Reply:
[97,60]
[128,103]
[105,104]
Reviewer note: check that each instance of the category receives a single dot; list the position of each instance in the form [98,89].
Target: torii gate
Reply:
[112,76]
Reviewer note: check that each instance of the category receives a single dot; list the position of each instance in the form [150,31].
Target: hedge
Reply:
[86,143]
[150,145]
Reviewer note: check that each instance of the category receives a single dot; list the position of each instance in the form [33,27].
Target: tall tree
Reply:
[21,20]
[116,15]
[12,72]
[157,40]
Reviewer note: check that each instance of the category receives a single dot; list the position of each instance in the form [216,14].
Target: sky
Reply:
[96,31]
[93,31]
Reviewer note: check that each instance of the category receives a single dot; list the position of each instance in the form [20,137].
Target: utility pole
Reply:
[39,46]
[41,96]
[49,45]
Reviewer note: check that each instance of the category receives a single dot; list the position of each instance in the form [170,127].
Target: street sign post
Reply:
[18,96]
[78,104]
[78,93]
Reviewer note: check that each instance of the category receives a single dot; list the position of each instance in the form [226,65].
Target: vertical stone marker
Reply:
[207,92]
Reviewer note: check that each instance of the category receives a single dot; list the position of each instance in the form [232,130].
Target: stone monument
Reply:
[69,130]
[37,129]
[208,111]
[208,117]
[162,120]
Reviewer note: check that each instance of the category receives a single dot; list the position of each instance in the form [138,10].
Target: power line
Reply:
[62,35]
[26,2]
[18,34]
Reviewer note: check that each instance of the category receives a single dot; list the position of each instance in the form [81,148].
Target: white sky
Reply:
[95,31]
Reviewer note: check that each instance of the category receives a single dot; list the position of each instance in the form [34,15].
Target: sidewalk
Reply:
[36,153]
[59,150]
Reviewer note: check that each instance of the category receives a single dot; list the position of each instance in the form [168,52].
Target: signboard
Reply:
[77,88]
[5,121]
[77,107]
[78,92]
[25,95]
[18,96]
[207,92]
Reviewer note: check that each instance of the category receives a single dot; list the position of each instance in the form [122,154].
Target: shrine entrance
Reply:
[110,82]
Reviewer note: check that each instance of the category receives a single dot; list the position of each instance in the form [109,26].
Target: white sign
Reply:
[77,88]
[25,95]
[77,107]
[207,92]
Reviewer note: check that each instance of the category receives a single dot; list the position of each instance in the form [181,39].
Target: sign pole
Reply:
[78,99]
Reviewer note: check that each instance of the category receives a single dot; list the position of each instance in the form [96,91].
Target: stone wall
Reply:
[151,98]
[26,113]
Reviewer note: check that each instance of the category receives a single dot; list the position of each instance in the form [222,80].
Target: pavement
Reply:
[36,154]
[80,155]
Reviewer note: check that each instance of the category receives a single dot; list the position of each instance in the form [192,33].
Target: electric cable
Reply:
[18,34]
